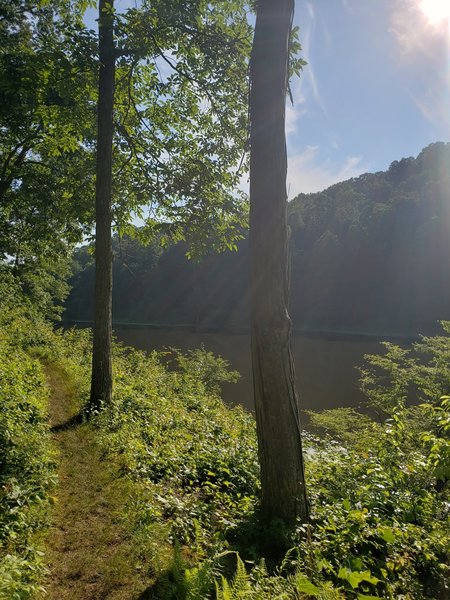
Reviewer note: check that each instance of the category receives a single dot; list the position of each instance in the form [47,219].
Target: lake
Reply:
[325,365]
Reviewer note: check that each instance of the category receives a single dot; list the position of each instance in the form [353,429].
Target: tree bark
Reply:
[101,381]
[276,399]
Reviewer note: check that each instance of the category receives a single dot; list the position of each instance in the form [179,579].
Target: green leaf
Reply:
[356,577]
[303,585]
[346,504]
[387,534]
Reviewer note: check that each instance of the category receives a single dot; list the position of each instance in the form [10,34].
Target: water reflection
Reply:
[325,368]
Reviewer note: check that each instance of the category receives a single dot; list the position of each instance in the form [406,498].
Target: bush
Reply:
[26,468]
[171,431]
[380,498]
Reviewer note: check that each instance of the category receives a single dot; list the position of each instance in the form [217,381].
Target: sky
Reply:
[376,87]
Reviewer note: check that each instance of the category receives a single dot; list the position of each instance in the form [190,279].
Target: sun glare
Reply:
[435,11]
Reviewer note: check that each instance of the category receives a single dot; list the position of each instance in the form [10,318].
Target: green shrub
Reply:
[380,521]
[26,469]
[171,431]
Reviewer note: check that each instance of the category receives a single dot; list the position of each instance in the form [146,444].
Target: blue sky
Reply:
[376,87]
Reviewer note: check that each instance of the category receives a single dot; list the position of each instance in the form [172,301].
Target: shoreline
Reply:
[326,335]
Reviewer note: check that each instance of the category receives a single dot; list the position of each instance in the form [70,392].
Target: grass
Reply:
[90,552]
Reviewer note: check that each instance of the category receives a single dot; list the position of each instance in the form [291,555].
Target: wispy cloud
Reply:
[415,34]
[306,173]
[424,46]
[309,87]
[347,6]
[435,110]
[295,111]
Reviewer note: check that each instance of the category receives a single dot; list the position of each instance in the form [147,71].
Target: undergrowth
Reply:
[27,464]
[378,487]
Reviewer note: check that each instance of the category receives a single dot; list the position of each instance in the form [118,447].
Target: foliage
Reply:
[173,432]
[44,282]
[46,121]
[399,375]
[378,489]
[202,367]
[347,425]
[258,584]
[26,460]
[378,525]
[180,124]
[386,379]
[378,503]
[181,119]
[381,500]
[436,441]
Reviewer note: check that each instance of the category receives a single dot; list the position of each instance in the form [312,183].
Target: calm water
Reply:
[326,369]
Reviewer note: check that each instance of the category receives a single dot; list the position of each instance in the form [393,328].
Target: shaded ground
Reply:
[89,553]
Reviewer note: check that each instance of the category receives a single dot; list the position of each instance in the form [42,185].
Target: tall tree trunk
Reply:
[276,399]
[101,382]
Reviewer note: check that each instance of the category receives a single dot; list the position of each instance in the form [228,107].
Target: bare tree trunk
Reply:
[276,399]
[101,381]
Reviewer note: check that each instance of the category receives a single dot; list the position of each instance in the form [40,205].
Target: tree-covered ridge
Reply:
[370,252]
[368,255]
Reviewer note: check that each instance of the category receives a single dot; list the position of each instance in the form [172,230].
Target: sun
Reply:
[435,11]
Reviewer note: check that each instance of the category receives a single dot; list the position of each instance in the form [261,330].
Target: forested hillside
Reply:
[368,255]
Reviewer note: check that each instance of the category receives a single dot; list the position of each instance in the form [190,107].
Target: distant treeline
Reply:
[370,255]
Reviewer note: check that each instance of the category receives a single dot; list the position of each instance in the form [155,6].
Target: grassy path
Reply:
[90,555]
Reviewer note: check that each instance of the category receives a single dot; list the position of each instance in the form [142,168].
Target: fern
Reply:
[198,581]
[239,588]
[259,585]
[192,583]
[223,591]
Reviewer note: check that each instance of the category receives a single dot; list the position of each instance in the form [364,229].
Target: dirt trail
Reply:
[88,552]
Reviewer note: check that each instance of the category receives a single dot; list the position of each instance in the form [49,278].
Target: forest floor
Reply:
[89,552]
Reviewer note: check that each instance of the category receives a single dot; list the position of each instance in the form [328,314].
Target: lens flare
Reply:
[435,11]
